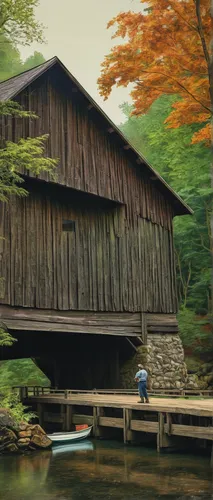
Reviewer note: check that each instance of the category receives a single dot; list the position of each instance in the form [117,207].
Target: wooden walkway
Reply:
[167,418]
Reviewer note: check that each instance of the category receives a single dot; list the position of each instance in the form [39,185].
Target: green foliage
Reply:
[32,61]
[6,339]
[15,372]
[10,400]
[26,154]
[13,108]
[18,21]
[195,333]
[10,59]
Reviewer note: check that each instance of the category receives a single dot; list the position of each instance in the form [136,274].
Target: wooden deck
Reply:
[167,418]
[202,408]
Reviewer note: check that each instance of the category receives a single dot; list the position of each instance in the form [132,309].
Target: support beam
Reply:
[68,418]
[127,432]
[160,431]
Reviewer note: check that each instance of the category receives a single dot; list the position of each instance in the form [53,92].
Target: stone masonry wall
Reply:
[163,357]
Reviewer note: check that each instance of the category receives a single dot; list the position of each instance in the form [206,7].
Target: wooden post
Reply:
[212,450]
[95,422]
[144,328]
[169,424]
[127,433]
[97,412]
[22,393]
[67,417]
[62,412]
[160,431]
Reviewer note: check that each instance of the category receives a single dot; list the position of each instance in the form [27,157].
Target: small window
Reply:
[68,225]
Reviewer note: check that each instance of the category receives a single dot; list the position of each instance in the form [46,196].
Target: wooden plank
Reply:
[158,319]
[111,422]
[185,407]
[82,419]
[73,317]
[191,431]
[162,329]
[69,328]
[143,426]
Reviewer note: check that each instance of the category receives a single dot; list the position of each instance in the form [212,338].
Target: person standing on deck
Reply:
[141,379]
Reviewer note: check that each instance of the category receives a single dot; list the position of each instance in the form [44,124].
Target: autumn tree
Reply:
[166,51]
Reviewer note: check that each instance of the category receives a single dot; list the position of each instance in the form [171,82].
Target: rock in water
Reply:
[23,443]
[7,436]
[25,434]
[23,437]
[37,429]
[12,448]
[40,441]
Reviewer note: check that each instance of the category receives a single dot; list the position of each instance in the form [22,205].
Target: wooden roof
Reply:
[9,89]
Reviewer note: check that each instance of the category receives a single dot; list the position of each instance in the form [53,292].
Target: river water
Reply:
[105,471]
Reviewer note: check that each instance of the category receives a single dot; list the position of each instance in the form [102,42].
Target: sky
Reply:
[76,32]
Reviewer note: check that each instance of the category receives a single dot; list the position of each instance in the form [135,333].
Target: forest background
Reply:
[185,166]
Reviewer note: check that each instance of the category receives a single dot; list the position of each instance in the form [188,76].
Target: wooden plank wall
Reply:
[90,159]
[105,265]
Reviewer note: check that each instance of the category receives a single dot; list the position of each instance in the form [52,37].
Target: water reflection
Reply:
[80,446]
[104,470]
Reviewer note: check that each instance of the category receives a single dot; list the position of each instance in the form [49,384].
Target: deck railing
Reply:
[29,391]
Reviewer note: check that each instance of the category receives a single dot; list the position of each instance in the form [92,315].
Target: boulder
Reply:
[37,429]
[40,441]
[23,443]
[23,426]
[11,448]
[25,434]
[7,436]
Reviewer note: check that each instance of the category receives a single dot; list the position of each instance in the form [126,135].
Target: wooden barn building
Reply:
[87,261]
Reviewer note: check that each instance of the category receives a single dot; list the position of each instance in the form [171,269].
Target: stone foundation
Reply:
[163,357]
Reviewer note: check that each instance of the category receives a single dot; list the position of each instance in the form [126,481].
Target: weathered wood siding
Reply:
[120,258]
[107,264]
[90,158]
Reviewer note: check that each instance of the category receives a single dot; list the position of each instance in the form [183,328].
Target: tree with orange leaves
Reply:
[166,51]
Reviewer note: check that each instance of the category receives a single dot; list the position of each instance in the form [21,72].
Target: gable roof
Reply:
[10,88]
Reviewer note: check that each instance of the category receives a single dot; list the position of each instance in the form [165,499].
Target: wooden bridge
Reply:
[169,416]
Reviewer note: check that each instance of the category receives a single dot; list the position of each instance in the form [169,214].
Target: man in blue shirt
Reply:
[141,379]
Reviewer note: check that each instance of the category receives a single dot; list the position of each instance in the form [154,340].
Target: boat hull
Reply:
[60,438]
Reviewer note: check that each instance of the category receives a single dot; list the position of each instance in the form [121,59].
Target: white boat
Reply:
[60,438]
